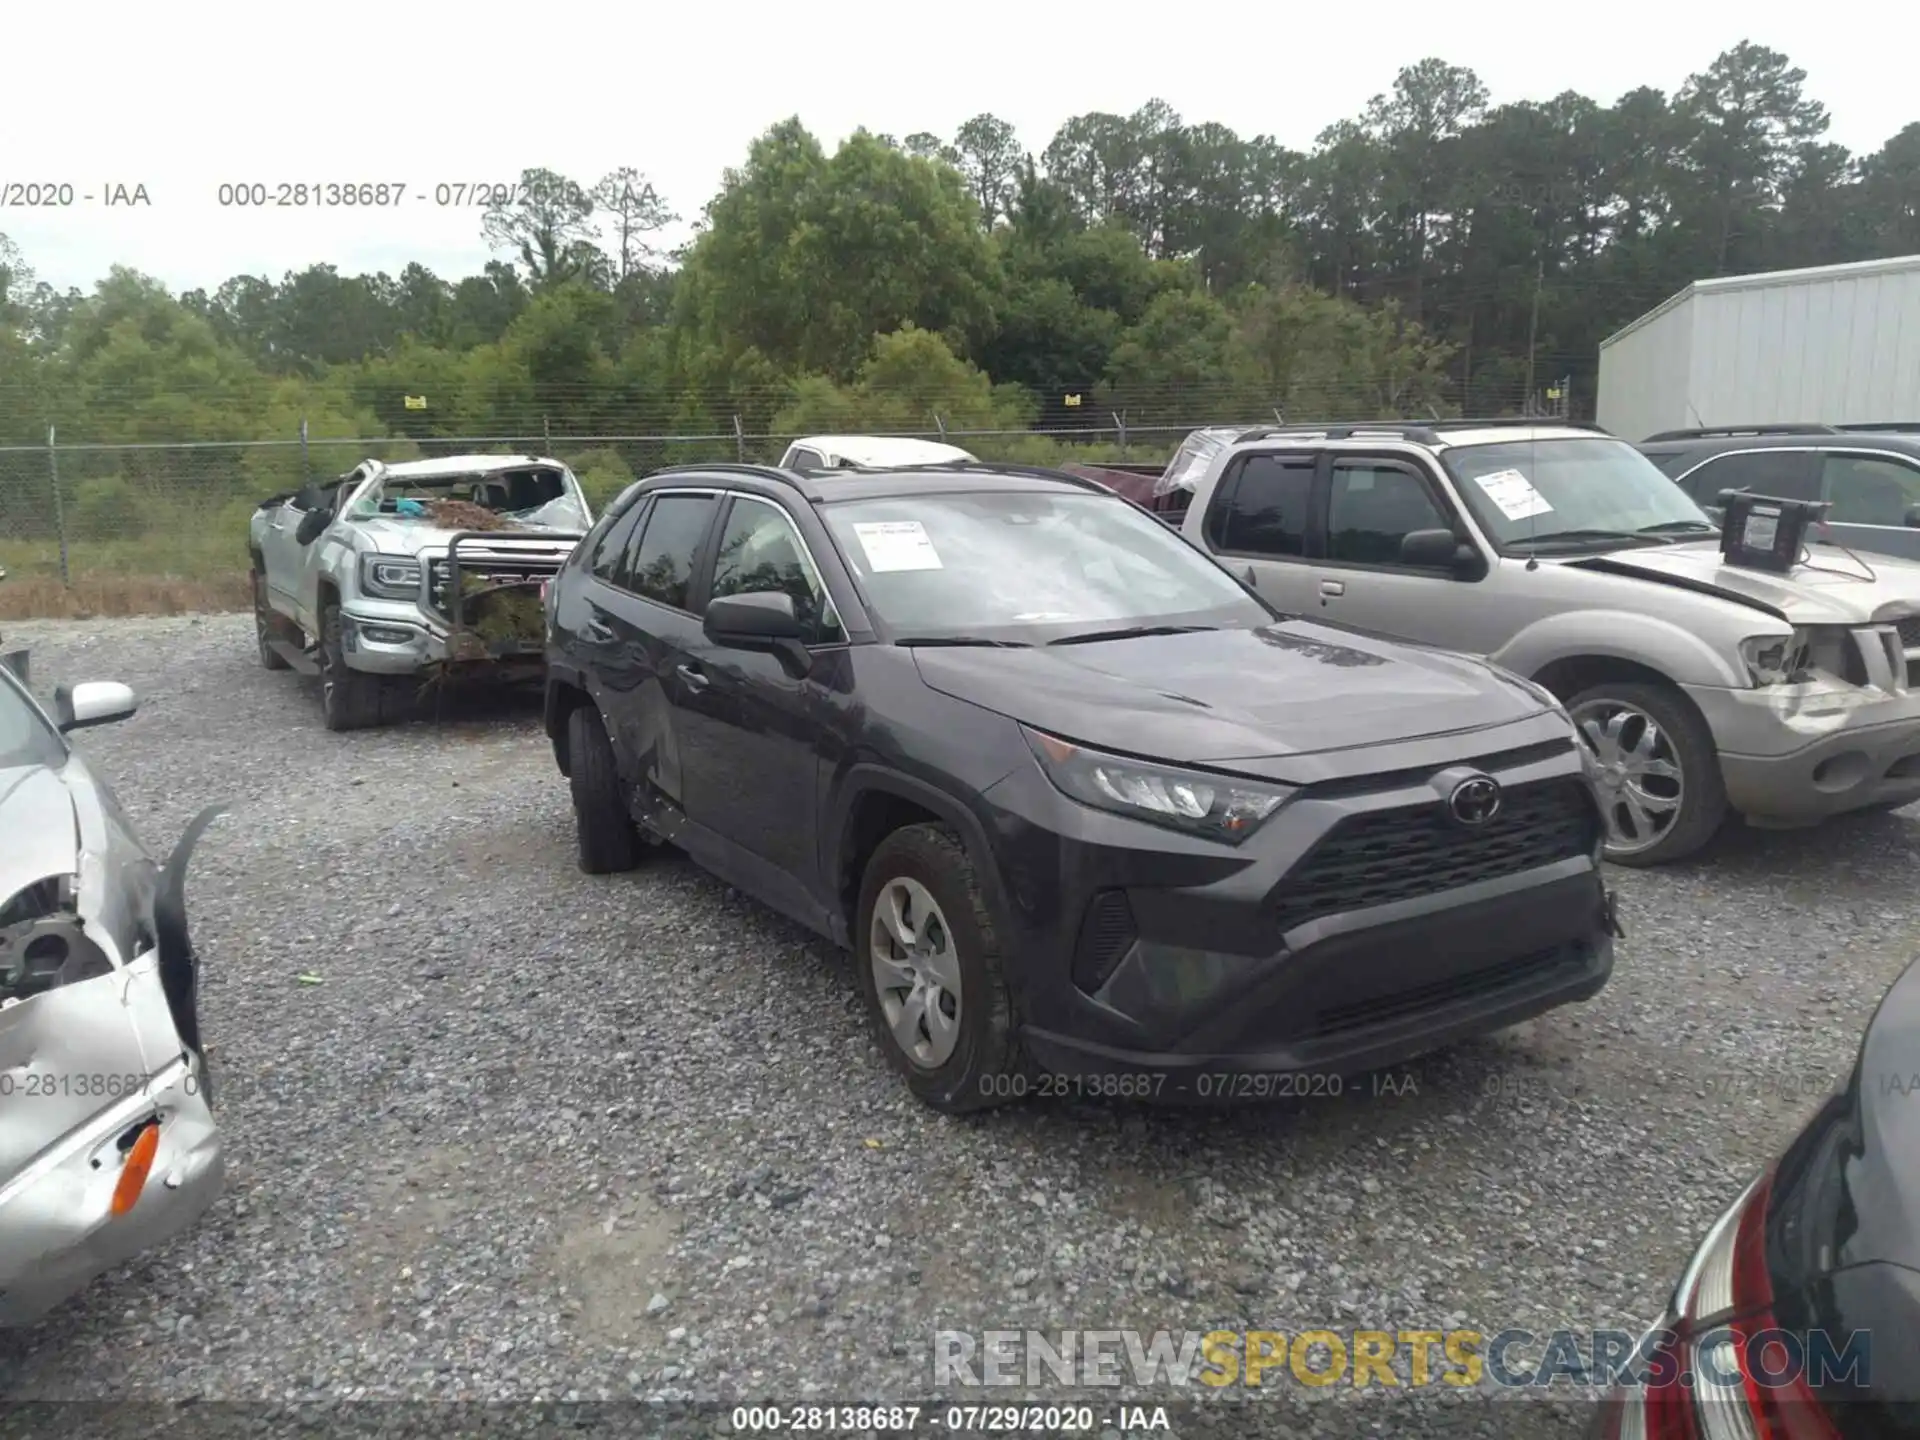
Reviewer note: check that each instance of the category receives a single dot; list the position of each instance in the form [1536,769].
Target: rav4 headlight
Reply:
[387,578]
[1219,807]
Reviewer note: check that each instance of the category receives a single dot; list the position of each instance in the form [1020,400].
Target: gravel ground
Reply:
[539,1135]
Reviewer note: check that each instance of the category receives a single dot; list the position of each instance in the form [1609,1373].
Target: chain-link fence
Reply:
[133,528]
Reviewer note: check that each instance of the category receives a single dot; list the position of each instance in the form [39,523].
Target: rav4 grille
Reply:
[1416,850]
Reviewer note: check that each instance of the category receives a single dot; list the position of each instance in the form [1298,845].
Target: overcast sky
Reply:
[183,97]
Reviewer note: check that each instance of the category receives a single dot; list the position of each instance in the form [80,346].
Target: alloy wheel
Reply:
[916,971]
[1638,773]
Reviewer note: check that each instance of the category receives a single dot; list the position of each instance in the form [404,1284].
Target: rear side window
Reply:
[1783,474]
[663,562]
[1266,507]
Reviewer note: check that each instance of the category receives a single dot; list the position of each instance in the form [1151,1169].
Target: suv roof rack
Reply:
[1884,427]
[728,467]
[1423,432]
[992,467]
[796,479]
[1727,432]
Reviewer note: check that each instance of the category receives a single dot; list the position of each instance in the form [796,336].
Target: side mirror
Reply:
[753,621]
[313,524]
[98,702]
[1913,516]
[761,620]
[1438,550]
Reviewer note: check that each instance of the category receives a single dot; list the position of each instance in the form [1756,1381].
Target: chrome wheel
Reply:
[1636,770]
[916,972]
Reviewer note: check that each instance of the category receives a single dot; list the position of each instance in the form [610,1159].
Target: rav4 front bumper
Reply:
[1351,932]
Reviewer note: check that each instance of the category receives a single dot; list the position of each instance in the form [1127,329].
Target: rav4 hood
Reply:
[1805,595]
[1292,688]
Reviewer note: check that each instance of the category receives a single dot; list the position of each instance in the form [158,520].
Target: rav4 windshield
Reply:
[1518,489]
[1009,563]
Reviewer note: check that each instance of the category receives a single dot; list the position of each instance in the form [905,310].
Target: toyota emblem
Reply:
[1474,801]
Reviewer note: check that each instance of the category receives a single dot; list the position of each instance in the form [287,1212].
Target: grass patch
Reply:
[156,574]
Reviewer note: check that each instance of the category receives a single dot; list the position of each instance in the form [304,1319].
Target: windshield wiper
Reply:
[1678,527]
[1553,536]
[1132,632]
[962,640]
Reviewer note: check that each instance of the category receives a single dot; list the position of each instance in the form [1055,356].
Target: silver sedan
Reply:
[107,1138]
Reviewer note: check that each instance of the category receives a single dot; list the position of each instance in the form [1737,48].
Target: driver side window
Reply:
[760,551]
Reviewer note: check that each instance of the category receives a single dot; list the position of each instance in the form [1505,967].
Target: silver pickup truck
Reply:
[393,576]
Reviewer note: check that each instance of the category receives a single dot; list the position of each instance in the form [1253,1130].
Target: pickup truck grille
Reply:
[489,570]
[1415,851]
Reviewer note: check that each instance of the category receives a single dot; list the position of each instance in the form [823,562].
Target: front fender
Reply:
[1672,649]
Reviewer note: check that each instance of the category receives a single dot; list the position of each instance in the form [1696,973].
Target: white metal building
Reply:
[1836,344]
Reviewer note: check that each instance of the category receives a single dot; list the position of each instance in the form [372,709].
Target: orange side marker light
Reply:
[133,1175]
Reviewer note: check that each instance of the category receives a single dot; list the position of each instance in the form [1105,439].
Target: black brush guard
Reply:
[462,643]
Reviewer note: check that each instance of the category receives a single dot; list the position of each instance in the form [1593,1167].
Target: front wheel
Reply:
[930,967]
[608,839]
[349,699]
[1658,772]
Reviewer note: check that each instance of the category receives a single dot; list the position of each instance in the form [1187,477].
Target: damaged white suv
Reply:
[107,1141]
[395,575]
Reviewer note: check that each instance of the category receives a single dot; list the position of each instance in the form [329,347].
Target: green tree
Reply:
[546,222]
[806,258]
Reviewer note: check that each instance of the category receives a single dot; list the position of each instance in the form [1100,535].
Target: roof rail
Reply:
[728,467]
[1727,432]
[1884,427]
[787,477]
[992,467]
[1423,432]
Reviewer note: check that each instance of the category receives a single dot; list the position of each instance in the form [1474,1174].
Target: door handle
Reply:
[1332,587]
[694,678]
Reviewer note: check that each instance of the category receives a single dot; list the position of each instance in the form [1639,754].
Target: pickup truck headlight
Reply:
[386,578]
[1219,807]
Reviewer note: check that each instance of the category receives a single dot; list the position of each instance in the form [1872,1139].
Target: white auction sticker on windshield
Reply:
[1514,494]
[897,545]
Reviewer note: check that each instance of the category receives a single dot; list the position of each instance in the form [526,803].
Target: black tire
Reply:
[609,841]
[350,699]
[266,624]
[1703,795]
[987,1065]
